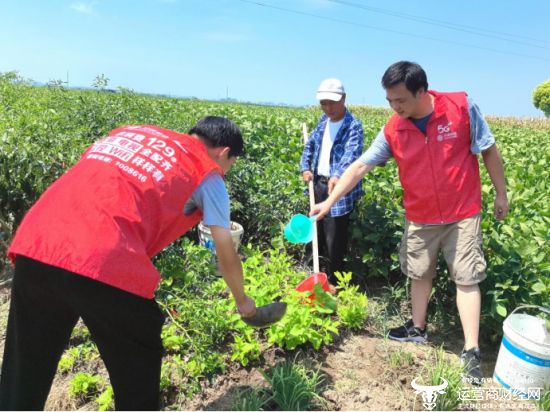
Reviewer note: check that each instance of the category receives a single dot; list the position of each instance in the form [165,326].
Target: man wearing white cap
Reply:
[336,142]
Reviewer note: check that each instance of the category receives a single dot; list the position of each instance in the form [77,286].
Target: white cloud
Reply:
[82,7]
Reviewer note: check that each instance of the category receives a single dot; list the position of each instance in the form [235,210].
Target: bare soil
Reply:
[357,377]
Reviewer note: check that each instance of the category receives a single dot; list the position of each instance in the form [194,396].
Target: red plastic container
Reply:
[308,284]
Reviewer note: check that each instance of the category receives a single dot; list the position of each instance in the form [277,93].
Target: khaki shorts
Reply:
[461,245]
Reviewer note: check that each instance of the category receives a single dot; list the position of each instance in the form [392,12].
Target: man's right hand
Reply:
[307,176]
[232,270]
[247,307]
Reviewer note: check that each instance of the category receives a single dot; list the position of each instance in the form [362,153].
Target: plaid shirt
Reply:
[347,147]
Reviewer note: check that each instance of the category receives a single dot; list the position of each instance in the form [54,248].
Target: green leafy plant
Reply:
[245,348]
[269,277]
[67,361]
[85,386]
[396,293]
[80,334]
[352,305]
[106,401]
[302,323]
[324,300]
[75,355]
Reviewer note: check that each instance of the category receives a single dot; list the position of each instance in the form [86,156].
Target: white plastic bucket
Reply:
[523,363]
[206,240]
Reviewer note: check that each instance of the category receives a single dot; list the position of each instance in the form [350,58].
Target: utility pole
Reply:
[226,92]
[67,82]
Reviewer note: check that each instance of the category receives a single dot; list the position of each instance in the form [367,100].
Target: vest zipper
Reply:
[434,180]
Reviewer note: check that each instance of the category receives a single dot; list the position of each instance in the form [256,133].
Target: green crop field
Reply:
[43,131]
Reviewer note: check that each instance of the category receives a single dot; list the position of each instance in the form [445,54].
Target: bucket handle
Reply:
[541,308]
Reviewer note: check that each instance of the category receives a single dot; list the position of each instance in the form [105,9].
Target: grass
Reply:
[250,399]
[294,387]
[401,358]
[435,370]
[543,404]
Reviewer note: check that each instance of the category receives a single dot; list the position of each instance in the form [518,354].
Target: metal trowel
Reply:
[266,315]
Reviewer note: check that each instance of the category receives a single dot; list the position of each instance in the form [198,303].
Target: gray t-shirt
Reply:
[481,139]
[212,198]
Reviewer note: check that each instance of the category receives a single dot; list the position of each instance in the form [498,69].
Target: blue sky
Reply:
[279,50]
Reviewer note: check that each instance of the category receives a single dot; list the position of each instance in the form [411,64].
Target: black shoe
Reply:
[471,360]
[408,333]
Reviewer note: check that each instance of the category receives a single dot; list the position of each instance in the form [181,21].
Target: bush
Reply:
[44,130]
[541,97]
[204,330]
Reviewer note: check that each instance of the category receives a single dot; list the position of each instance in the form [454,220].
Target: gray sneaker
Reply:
[409,333]
[471,360]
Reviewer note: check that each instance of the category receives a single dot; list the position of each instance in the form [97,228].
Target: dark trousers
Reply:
[46,303]
[332,234]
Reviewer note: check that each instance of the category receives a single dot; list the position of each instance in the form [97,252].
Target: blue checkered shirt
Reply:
[347,147]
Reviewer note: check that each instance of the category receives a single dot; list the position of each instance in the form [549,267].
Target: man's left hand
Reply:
[332,183]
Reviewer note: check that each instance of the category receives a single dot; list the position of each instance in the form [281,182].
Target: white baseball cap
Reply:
[330,89]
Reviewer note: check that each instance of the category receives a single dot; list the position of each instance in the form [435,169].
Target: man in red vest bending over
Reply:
[85,248]
[434,138]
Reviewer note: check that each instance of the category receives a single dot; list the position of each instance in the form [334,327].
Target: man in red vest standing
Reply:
[84,251]
[434,138]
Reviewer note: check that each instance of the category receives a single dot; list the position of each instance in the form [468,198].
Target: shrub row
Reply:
[43,131]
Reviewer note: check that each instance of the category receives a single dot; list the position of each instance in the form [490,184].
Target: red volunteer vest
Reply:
[438,172]
[120,205]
